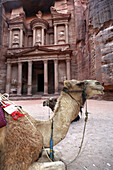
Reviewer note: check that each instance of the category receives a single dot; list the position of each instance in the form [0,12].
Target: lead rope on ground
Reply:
[86,118]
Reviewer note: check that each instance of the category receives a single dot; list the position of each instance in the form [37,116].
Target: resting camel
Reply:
[51,102]
[21,140]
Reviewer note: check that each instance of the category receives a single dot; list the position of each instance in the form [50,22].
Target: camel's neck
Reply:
[66,110]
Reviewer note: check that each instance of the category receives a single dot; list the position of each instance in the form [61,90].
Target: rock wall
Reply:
[82,56]
[100,31]
[94,41]
[2,52]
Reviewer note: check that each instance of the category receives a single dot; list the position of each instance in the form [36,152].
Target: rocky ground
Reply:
[97,150]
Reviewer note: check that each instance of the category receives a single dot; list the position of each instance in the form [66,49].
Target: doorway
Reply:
[40,82]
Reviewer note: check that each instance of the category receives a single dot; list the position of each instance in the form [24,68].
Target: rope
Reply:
[86,118]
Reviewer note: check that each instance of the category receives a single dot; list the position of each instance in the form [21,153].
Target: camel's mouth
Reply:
[99,89]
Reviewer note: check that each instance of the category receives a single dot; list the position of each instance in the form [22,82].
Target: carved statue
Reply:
[39,15]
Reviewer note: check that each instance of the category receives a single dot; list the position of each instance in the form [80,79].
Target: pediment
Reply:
[35,51]
[16,19]
[32,51]
[56,14]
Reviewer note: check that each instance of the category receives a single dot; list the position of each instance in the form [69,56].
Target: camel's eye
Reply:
[97,83]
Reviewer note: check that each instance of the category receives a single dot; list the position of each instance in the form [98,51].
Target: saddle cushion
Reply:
[2,118]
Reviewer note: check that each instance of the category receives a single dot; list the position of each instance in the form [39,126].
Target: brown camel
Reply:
[51,102]
[21,140]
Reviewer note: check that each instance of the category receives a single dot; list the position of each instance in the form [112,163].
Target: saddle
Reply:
[2,118]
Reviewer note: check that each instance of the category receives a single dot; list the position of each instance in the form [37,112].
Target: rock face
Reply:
[94,42]
[101,38]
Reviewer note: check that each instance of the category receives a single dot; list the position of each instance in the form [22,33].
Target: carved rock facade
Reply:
[71,39]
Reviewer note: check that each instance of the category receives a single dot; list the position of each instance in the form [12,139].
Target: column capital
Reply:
[56,60]
[68,59]
[66,23]
[55,24]
[45,61]
[30,61]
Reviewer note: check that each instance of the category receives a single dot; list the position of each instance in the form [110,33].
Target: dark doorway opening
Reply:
[40,83]
[51,77]
[24,77]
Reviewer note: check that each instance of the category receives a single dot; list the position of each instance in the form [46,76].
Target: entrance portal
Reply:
[40,83]
[50,77]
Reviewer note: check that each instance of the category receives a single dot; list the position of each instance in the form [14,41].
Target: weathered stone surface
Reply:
[44,157]
[48,166]
[101,38]
[100,11]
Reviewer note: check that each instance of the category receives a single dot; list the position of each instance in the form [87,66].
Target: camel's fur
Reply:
[21,142]
[51,102]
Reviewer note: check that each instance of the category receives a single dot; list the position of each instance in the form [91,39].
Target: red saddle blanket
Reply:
[2,118]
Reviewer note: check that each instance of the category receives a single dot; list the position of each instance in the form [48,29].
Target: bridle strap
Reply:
[68,92]
[76,91]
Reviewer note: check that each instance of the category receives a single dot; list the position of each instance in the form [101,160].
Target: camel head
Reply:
[50,103]
[91,87]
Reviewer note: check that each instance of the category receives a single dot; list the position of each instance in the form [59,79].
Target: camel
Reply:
[51,102]
[21,140]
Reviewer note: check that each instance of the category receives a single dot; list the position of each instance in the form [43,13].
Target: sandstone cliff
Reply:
[101,41]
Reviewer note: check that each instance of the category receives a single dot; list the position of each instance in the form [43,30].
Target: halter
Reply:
[84,95]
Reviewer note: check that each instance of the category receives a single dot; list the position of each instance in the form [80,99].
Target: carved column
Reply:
[45,77]
[10,38]
[29,90]
[8,78]
[55,34]
[19,79]
[68,68]
[34,35]
[21,37]
[42,36]
[47,39]
[66,29]
[56,75]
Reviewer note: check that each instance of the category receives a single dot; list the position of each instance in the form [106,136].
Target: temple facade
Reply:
[38,57]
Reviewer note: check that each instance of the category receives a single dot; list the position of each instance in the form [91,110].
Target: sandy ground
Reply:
[97,150]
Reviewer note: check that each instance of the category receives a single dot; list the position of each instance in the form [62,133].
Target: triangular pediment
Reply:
[16,19]
[56,14]
[33,51]
[36,50]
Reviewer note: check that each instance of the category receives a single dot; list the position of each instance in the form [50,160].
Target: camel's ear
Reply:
[67,84]
[80,83]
